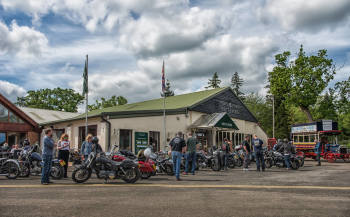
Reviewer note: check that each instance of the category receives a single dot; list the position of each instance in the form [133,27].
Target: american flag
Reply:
[163,78]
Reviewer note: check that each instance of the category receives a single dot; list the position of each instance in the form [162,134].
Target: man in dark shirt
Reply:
[177,147]
[259,154]
[246,148]
[191,149]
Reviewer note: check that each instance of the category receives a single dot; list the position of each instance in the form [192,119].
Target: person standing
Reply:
[246,148]
[191,149]
[318,150]
[177,147]
[86,147]
[226,148]
[287,151]
[259,154]
[48,146]
[63,147]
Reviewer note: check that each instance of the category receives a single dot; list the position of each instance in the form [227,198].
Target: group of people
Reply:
[179,147]
[63,147]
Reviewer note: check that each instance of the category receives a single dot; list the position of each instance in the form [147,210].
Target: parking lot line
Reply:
[182,186]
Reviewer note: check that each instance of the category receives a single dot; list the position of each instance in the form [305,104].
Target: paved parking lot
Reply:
[310,191]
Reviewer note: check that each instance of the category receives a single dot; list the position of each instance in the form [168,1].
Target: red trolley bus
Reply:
[325,131]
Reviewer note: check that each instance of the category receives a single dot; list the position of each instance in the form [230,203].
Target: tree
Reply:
[106,103]
[236,83]
[342,90]
[261,109]
[53,99]
[326,107]
[214,82]
[168,92]
[301,81]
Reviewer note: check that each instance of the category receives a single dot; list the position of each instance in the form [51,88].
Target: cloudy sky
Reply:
[43,43]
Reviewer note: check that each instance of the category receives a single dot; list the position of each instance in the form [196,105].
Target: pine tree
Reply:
[214,82]
[168,92]
[236,83]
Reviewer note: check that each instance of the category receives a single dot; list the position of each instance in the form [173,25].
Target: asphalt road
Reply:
[310,191]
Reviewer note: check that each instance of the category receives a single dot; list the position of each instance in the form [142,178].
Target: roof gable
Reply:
[225,101]
[13,108]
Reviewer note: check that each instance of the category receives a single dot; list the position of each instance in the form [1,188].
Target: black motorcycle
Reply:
[106,168]
[9,168]
[30,162]
[275,158]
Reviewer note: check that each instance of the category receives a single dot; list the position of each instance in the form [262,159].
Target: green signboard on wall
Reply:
[141,141]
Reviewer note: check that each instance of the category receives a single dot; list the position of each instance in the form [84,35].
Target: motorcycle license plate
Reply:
[62,163]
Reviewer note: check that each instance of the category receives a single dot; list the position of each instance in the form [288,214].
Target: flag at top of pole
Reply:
[163,78]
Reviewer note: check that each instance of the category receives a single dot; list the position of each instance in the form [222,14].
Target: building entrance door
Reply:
[125,140]
[154,140]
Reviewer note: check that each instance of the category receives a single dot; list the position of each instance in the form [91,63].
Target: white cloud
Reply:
[308,15]
[153,35]
[11,91]
[21,40]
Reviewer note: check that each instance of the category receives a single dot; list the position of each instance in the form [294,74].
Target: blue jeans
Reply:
[191,155]
[287,160]
[45,171]
[259,158]
[177,156]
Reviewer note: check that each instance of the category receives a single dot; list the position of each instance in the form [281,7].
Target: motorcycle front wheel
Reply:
[25,171]
[57,172]
[81,175]
[215,166]
[13,171]
[132,174]
[295,164]
[169,170]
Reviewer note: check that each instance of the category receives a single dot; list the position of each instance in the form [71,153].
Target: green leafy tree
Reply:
[261,108]
[326,107]
[106,103]
[236,83]
[342,90]
[53,99]
[214,82]
[301,81]
[342,93]
[168,92]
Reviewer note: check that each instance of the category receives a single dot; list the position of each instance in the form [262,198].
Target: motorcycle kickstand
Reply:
[105,181]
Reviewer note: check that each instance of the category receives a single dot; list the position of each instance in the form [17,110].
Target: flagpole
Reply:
[164,121]
[86,97]
[164,95]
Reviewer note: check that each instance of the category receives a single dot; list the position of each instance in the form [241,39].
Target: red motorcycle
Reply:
[146,166]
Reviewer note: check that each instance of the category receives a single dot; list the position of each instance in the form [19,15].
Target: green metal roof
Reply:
[171,103]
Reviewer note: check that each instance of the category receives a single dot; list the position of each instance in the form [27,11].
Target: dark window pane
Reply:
[3,114]
[13,118]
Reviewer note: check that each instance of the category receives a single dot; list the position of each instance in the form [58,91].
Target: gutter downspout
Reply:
[109,131]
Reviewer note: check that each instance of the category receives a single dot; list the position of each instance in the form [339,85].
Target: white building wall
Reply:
[174,124]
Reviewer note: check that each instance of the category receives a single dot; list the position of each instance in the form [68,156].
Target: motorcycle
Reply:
[9,168]
[31,163]
[106,168]
[163,164]
[75,157]
[275,158]
[146,166]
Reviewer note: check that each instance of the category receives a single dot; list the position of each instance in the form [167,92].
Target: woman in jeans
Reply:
[63,147]
[86,147]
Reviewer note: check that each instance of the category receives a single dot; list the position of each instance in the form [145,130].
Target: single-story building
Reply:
[212,114]
[15,125]
[19,123]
